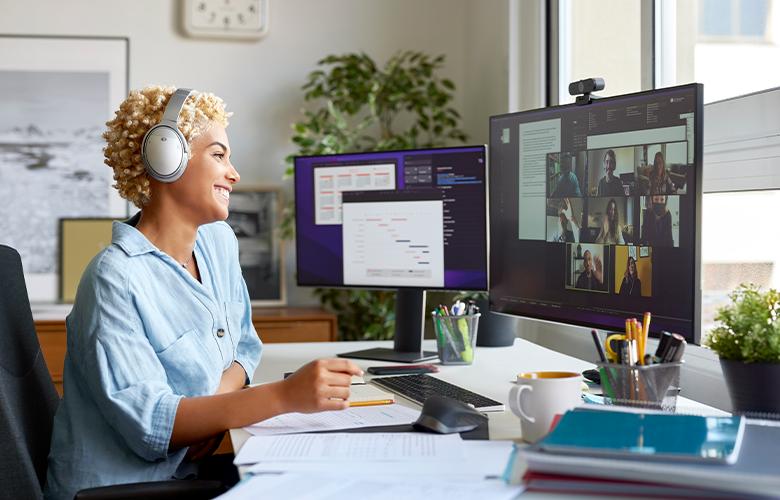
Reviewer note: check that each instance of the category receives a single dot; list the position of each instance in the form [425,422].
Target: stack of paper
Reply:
[352,418]
[388,455]
[322,487]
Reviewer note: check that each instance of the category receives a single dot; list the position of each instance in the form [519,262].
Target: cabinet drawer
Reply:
[294,331]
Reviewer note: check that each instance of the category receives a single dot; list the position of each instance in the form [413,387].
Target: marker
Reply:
[675,349]
[663,344]
[599,349]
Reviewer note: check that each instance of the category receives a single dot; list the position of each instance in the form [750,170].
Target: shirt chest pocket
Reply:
[190,368]
[234,311]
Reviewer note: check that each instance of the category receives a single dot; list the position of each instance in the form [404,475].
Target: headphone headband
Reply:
[175,103]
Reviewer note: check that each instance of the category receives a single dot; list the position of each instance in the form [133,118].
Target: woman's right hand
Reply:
[320,385]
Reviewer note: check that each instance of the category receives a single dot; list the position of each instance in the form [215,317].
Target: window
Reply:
[731,46]
[599,38]
[733,20]
[740,243]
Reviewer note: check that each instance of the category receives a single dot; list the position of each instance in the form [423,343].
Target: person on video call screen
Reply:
[631,286]
[657,226]
[592,277]
[610,185]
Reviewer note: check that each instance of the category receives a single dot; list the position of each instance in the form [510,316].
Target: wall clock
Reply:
[242,19]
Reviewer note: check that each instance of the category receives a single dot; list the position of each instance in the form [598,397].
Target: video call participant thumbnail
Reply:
[662,168]
[608,218]
[563,220]
[633,273]
[565,172]
[606,168]
[588,267]
[660,221]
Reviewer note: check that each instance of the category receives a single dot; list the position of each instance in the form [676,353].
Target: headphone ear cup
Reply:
[165,153]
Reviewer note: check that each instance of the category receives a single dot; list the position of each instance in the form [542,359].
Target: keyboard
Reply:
[419,387]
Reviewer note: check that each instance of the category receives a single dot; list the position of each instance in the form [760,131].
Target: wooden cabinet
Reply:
[278,324]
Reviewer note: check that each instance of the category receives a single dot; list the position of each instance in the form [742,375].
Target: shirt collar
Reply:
[129,239]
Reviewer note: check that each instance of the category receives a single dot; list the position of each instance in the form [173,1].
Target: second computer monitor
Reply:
[411,220]
[392,219]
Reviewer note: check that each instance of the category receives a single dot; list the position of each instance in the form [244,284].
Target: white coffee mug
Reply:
[539,396]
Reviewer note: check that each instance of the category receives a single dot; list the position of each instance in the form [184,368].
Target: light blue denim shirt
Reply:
[143,333]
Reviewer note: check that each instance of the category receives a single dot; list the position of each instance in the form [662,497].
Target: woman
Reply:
[660,182]
[610,233]
[160,338]
[631,286]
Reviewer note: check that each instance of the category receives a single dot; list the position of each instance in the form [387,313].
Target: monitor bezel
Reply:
[485,156]
[698,161]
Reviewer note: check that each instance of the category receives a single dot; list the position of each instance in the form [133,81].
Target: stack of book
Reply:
[652,454]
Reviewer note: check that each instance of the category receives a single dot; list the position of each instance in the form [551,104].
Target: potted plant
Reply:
[747,340]
[356,105]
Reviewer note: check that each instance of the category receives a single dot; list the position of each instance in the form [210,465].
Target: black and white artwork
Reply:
[254,216]
[56,95]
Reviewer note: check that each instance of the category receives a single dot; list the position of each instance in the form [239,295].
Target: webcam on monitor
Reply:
[584,88]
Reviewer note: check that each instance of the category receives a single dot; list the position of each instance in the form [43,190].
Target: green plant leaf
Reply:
[748,328]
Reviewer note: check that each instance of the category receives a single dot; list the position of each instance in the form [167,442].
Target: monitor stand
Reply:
[409,326]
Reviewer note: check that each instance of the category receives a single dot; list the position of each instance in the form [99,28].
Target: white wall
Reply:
[260,81]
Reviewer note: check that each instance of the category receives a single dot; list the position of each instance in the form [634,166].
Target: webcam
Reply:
[583,89]
[586,86]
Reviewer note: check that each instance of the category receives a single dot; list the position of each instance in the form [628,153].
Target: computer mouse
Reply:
[445,415]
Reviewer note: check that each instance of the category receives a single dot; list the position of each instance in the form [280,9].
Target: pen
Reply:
[599,349]
[445,331]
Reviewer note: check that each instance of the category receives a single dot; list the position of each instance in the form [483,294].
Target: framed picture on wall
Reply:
[56,94]
[254,216]
[80,240]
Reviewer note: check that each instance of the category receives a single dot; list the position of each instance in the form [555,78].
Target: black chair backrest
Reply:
[28,399]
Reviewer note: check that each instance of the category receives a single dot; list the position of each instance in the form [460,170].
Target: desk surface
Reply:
[492,374]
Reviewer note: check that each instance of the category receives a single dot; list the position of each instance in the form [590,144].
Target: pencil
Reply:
[371,403]
[645,332]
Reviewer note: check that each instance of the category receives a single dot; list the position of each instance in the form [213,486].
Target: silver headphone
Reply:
[164,150]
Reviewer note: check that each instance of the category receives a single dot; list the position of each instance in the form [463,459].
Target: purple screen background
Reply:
[319,249]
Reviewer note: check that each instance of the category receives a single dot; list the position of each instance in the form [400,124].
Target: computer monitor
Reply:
[595,212]
[411,220]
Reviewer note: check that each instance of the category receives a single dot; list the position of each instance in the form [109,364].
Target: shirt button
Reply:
[220,333]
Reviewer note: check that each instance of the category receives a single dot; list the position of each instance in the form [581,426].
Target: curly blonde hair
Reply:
[136,115]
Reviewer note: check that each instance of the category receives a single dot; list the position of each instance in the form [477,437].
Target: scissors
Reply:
[612,354]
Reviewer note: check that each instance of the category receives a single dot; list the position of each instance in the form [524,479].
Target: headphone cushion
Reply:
[164,152]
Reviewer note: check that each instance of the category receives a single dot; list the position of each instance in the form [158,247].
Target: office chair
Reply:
[28,401]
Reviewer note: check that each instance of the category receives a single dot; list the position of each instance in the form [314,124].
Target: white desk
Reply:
[492,374]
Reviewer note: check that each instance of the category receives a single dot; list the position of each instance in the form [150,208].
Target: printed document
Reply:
[320,487]
[350,447]
[351,418]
